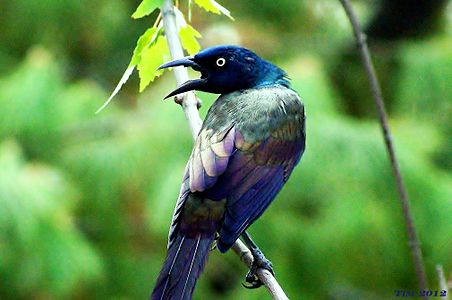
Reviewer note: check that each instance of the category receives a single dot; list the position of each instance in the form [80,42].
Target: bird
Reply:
[249,143]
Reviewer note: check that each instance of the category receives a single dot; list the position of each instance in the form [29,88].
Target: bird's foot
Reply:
[259,261]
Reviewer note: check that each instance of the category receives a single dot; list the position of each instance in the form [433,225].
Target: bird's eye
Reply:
[221,62]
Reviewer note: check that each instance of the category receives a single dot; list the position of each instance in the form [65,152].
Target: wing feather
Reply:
[203,168]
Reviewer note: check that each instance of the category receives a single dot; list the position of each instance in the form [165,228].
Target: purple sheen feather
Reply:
[224,148]
[229,141]
[196,173]
[237,220]
[238,162]
[209,181]
[221,163]
[239,166]
[265,151]
[234,180]
[250,181]
[240,202]
[253,201]
[209,162]
[219,149]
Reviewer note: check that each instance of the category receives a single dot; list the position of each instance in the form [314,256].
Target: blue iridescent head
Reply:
[225,69]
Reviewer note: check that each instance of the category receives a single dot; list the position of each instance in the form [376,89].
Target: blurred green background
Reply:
[86,200]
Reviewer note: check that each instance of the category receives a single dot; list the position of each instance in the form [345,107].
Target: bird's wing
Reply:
[254,177]
[209,159]
[269,142]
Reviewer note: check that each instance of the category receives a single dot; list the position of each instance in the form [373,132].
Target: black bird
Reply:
[249,143]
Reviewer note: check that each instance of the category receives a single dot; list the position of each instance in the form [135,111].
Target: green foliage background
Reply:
[86,200]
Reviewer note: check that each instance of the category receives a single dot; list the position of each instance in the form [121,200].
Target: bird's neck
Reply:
[270,75]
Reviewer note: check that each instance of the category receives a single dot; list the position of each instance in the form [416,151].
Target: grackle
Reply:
[249,143]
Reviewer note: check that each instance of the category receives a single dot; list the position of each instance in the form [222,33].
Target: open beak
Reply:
[190,85]
[187,61]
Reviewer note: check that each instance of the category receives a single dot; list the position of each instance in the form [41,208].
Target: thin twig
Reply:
[377,96]
[190,104]
[442,281]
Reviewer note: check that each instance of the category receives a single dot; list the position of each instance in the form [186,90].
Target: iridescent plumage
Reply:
[246,150]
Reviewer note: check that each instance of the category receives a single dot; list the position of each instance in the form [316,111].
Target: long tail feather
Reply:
[183,264]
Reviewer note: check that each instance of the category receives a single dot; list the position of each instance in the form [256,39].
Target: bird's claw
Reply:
[251,278]
[259,262]
[254,285]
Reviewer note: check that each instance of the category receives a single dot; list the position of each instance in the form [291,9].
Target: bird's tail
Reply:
[183,265]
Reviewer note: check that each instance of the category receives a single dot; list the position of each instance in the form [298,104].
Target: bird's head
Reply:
[225,69]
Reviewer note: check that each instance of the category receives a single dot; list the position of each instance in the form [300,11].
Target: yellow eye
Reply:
[221,62]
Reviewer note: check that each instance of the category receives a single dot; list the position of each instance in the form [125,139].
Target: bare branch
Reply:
[377,96]
[190,103]
[442,281]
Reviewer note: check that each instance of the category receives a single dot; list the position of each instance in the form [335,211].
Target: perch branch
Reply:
[190,104]
[378,98]
[188,100]
[264,275]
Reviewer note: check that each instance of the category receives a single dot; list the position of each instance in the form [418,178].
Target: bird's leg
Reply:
[259,261]
[215,241]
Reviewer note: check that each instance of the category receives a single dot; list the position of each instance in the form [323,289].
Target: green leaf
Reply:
[214,7]
[145,40]
[151,59]
[188,36]
[146,7]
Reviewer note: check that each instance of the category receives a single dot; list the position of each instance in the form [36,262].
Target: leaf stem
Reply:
[157,21]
